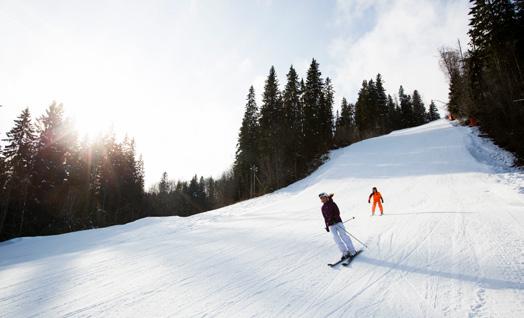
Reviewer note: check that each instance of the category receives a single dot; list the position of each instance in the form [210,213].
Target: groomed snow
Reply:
[449,245]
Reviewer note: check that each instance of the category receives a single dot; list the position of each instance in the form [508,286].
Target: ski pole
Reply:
[348,220]
[356,238]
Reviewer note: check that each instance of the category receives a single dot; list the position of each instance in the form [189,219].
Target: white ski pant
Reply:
[342,238]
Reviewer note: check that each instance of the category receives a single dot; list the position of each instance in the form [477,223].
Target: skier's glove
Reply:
[327,229]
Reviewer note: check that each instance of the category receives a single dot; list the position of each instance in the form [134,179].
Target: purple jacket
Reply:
[331,213]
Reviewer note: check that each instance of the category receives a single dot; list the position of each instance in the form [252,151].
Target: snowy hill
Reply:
[449,245]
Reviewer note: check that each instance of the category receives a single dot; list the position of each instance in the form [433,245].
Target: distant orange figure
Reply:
[377,197]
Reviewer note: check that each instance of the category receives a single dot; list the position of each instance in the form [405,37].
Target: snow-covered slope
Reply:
[449,245]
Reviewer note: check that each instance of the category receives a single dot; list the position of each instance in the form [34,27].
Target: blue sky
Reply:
[174,74]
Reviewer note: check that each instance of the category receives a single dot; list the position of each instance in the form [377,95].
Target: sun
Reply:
[91,124]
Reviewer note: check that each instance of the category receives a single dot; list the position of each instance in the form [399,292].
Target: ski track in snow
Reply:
[450,244]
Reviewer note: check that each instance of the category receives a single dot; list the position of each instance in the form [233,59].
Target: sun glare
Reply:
[91,125]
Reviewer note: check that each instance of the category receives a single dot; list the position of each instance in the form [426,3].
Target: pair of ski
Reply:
[346,261]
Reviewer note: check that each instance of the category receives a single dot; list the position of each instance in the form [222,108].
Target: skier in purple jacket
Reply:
[334,225]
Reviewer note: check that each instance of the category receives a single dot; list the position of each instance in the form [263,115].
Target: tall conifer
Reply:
[313,96]
[419,111]
[382,105]
[18,163]
[293,125]
[271,133]
[406,109]
[248,144]
[433,112]
[326,115]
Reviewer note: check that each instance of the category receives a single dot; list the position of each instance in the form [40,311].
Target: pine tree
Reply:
[494,25]
[406,109]
[95,155]
[365,110]
[248,145]
[271,134]
[419,111]
[303,136]
[121,180]
[117,181]
[139,179]
[293,125]
[20,145]
[393,121]
[345,126]
[382,105]
[271,110]
[107,191]
[326,115]
[313,96]
[79,201]
[163,186]
[18,161]
[184,199]
[494,71]
[211,193]
[49,183]
[136,174]
[197,195]
[50,171]
[201,194]
[372,109]
[347,113]
[433,112]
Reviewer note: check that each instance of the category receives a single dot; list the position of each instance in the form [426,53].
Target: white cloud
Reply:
[349,10]
[402,45]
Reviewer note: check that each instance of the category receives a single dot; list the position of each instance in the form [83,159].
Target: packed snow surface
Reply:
[450,244]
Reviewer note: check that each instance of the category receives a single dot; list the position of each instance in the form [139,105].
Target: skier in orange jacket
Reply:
[377,197]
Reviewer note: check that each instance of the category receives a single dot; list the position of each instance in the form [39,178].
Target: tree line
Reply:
[51,182]
[486,83]
[289,135]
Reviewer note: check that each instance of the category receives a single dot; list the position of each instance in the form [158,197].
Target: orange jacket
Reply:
[376,196]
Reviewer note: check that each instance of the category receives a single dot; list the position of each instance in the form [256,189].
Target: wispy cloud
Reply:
[402,44]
